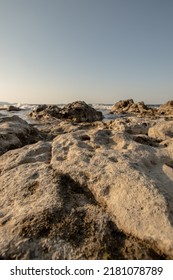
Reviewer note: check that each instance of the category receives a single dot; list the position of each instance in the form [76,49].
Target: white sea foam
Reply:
[102,106]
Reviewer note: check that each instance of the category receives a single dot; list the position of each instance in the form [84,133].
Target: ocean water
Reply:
[27,108]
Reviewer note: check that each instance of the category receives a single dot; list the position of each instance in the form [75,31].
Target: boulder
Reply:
[45,112]
[45,214]
[129,107]
[166,109]
[126,177]
[162,130]
[77,111]
[122,106]
[15,132]
[132,125]
[10,108]
[13,108]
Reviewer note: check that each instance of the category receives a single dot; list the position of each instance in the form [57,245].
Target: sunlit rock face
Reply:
[166,109]
[97,190]
[129,107]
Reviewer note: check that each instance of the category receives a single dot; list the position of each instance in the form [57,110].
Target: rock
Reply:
[127,178]
[45,112]
[40,108]
[132,125]
[95,191]
[15,133]
[128,106]
[77,111]
[166,109]
[161,130]
[13,108]
[122,106]
[10,108]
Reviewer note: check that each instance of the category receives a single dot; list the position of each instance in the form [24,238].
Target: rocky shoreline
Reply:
[75,187]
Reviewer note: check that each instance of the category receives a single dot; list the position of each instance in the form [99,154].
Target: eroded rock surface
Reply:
[92,191]
[162,130]
[45,112]
[15,132]
[77,111]
[129,107]
[166,109]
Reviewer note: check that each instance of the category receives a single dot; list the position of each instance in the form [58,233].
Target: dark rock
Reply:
[40,108]
[79,111]
[45,111]
[10,108]
[13,108]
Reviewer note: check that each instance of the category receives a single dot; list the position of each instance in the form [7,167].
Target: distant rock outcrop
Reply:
[166,109]
[45,112]
[10,108]
[77,111]
[129,107]
[13,108]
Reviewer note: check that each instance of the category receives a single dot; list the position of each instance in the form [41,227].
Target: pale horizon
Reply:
[98,51]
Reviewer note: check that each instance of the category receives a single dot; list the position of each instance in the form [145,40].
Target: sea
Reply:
[27,108]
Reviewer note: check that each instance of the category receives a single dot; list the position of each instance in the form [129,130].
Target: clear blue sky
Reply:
[59,51]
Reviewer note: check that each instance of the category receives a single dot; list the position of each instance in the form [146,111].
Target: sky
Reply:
[99,51]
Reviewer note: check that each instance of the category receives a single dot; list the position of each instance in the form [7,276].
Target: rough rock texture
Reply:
[128,106]
[166,109]
[77,111]
[45,112]
[162,130]
[15,132]
[94,191]
[127,178]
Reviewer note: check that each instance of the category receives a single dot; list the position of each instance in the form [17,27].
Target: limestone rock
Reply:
[95,191]
[15,132]
[132,125]
[45,214]
[77,111]
[128,106]
[45,112]
[126,177]
[166,109]
[162,130]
